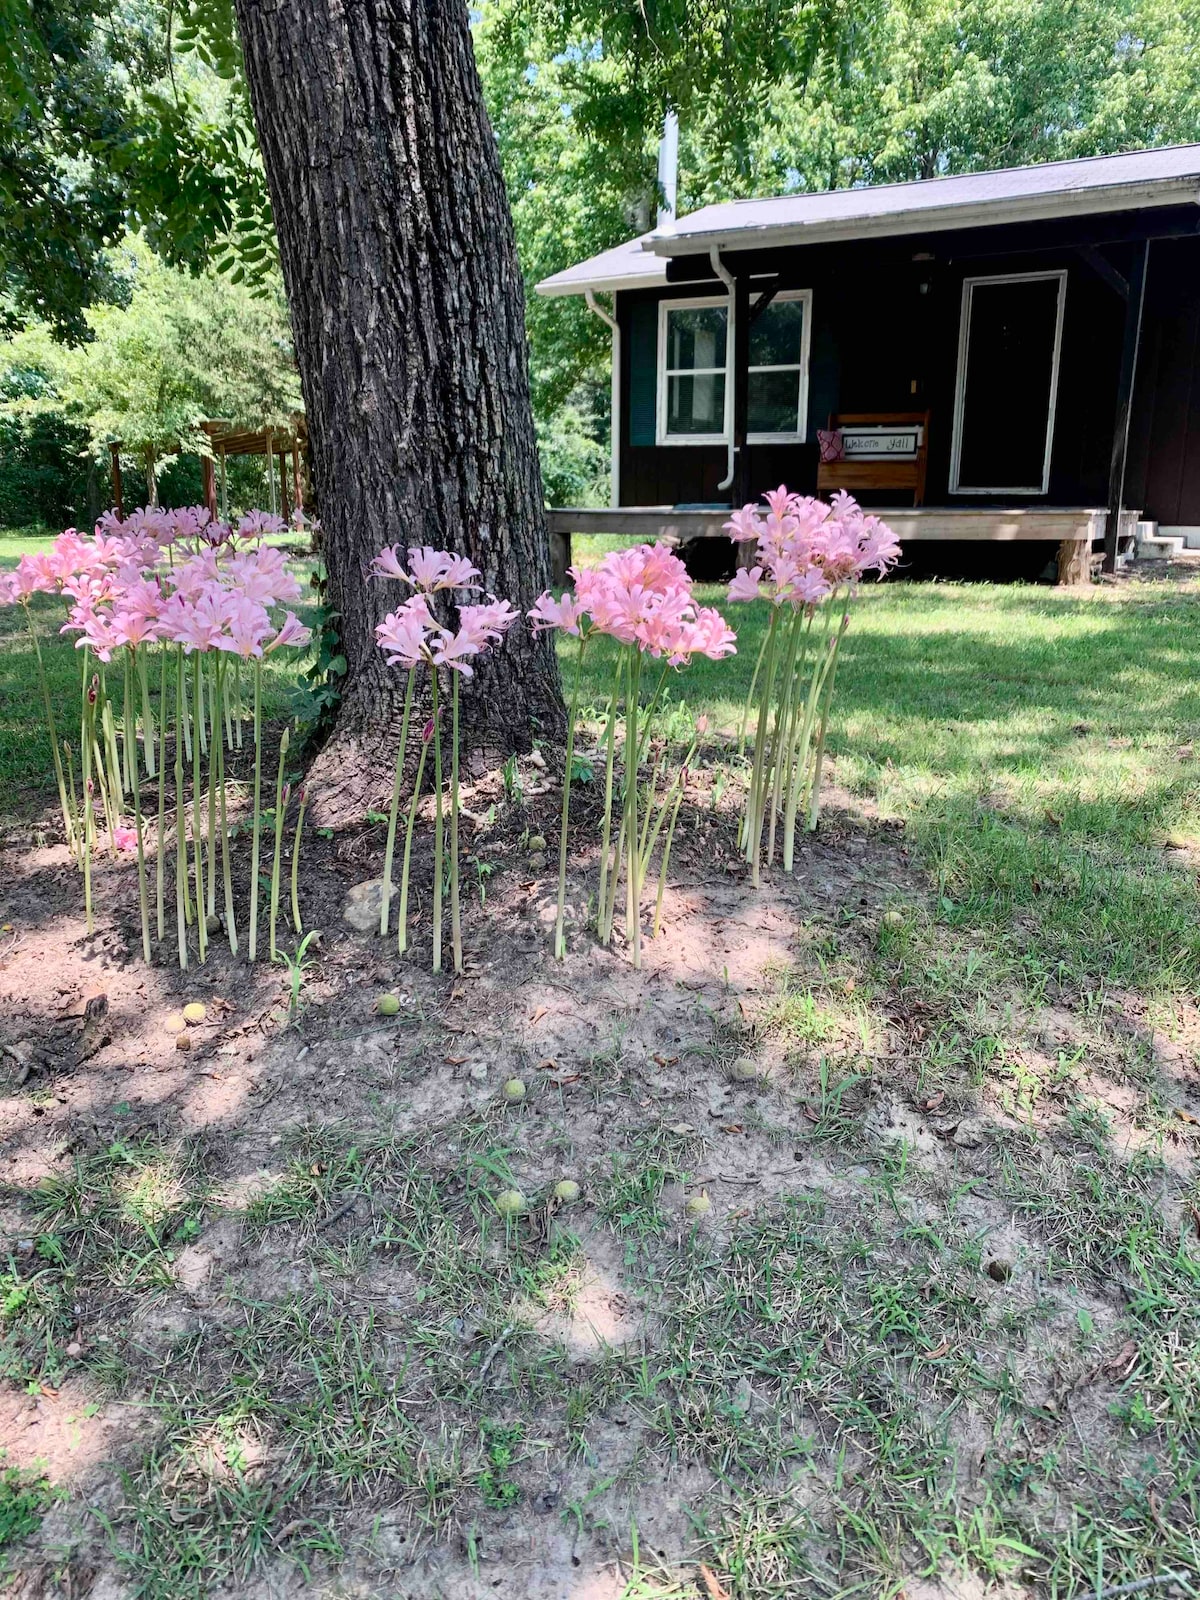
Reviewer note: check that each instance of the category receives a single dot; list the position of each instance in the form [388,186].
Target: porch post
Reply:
[740,490]
[1120,443]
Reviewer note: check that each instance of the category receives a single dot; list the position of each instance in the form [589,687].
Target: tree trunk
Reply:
[407,309]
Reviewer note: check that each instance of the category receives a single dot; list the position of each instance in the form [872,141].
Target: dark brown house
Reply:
[1005,356]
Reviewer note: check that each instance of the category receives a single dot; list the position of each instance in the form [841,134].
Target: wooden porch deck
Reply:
[1074,529]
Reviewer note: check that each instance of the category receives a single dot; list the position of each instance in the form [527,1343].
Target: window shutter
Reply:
[643,371]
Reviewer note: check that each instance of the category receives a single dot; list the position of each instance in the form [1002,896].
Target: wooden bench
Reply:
[904,472]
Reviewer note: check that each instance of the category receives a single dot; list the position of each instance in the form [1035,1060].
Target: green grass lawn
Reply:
[921,1371]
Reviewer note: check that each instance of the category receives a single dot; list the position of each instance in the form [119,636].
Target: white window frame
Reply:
[964,339]
[707,302]
[801,432]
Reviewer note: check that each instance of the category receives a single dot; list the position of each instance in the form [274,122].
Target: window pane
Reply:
[775,334]
[773,402]
[696,405]
[696,338]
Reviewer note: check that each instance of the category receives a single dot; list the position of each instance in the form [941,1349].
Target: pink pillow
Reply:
[829,443]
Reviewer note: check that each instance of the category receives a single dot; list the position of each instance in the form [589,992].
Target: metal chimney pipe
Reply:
[668,173]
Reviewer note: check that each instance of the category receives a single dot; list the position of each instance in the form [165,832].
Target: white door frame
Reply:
[960,384]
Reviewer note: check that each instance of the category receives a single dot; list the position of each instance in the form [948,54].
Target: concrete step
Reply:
[1162,547]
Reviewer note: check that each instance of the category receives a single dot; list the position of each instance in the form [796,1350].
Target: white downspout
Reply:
[615,470]
[726,277]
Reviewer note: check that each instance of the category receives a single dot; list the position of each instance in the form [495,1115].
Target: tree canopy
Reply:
[178,349]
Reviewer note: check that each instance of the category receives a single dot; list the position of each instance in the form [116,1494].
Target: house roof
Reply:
[625,266]
[1092,186]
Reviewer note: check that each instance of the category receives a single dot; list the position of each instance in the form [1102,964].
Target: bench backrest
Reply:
[904,471]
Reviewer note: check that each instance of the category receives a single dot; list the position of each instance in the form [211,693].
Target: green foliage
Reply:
[178,350]
[24,1501]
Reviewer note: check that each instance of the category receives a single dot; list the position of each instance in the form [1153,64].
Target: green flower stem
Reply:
[187,721]
[108,773]
[129,769]
[814,804]
[781,738]
[47,706]
[183,753]
[666,860]
[745,722]
[393,815]
[147,712]
[402,924]
[280,806]
[181,902]
[160,837]
[798,789]
[89,815]
[254,836]
[633,882]
[143,897]
[239,712]
[438,831]
[197,834]
[214,746]
[225,717]
[296,923]
[603,917]
[226,869]
[754,804]
[455,910]
[560,945]
[73,832]
[198,715]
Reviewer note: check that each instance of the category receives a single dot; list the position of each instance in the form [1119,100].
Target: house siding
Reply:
[882,343]
[1163,473]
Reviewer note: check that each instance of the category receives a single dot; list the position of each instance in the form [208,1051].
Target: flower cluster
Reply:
[641,597]
[172,584]
[126,589]
[410,637]
[806,548]
[411,634]
[808,555]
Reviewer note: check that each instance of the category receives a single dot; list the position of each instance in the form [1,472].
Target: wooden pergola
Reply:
[288,445]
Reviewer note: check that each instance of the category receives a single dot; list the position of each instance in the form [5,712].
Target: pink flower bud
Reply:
[427,731]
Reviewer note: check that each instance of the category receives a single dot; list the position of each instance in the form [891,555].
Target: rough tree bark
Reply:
[400,265]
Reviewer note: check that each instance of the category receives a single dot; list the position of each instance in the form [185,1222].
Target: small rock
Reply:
[477,1072]
[364,905]
[537,759]
[74,1349]
[743,1397]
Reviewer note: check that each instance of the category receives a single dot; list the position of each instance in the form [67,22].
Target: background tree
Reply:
[178,350]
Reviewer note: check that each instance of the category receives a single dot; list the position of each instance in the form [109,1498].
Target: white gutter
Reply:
[615,426]
[726,277]
[926,219]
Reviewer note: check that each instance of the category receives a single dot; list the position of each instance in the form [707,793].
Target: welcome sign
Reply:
[880,444]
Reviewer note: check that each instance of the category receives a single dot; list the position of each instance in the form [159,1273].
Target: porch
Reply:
[1075,530]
